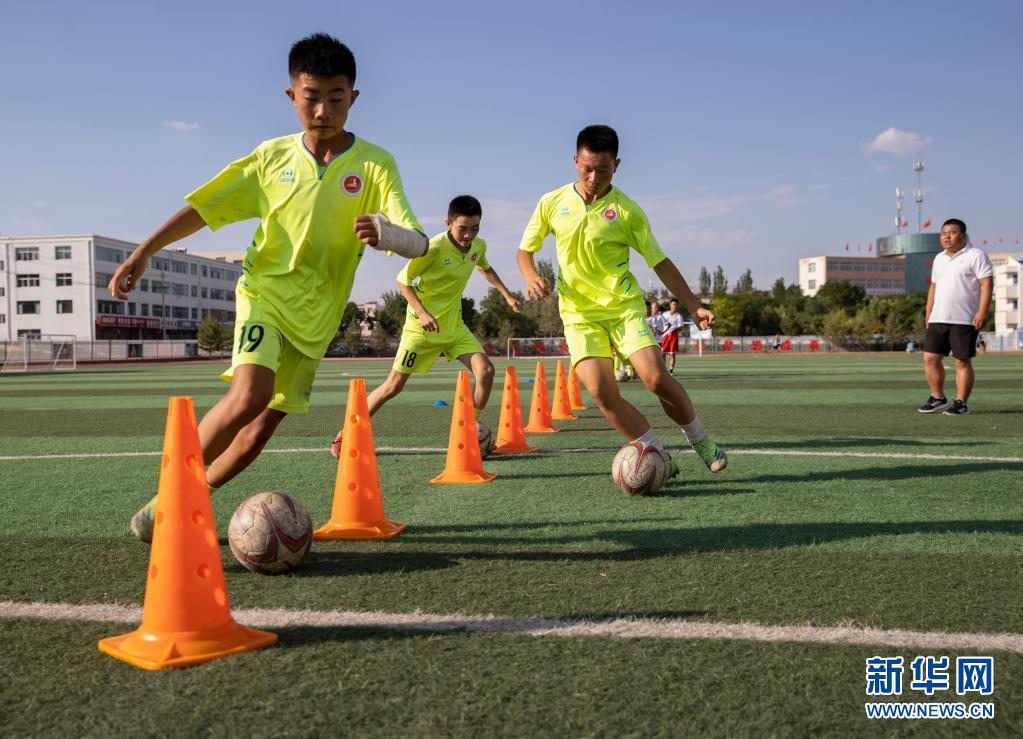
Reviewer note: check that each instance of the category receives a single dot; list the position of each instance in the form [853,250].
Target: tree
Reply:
[379,341]
[353,338]
[392,314]
[745,282]
[495,313]
[704,282]
[214,337]
[720,285]
[469,313]
[351,313]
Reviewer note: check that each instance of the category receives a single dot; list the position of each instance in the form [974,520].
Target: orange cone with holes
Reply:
[575,393]
[511,436]
[540,407]
[358,512]
[562,410]
[464,462]
[186,618]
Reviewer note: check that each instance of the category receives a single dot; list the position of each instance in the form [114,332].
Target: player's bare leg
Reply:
[676,403]
[389,388]
[934,369]
[483,372]
[247,445]
[245,401]
[964,379]
[597,374]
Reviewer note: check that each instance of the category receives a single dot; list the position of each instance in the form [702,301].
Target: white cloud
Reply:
[181,125]
[672,208]
[899,143]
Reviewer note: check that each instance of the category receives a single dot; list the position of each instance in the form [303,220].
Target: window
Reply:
[144,308]
[195,291]
[205,272]
[180,267]
[144,285]
[131,309]
[3,318]
[26,253]
[28,307]
[161,264]
[811,267]
[113,307]
[29,333]
[812,284]
[64,306]
[63,279]
[106,254]
[179,312]
[160,287]
[180,290]
[102,279]
[193,269]
[1014,278]
[216,294]
[62,252]
[28,280]
[195,314]
[3,291]
[216,273]
[205,292]
[229,296]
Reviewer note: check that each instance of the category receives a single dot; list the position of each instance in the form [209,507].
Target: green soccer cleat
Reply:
[712,455]
[142,522]
[672,469]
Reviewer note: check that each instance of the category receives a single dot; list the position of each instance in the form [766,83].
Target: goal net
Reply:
[538,346]
[40,354]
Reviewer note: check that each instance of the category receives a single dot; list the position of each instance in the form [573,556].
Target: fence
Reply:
[121,351]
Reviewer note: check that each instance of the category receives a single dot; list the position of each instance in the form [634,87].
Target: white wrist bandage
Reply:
[405,242]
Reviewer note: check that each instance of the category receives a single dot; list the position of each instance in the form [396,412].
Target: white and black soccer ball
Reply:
[270,533]
[486,437]
[639,469]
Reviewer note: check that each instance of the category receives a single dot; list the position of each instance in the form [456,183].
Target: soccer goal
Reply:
[537,346]
[40,354]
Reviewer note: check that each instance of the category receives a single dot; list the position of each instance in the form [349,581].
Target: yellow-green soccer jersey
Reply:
[439,278]
[302,260]
[594,281]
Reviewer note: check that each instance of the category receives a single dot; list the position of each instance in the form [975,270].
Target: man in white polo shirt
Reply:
[957,305]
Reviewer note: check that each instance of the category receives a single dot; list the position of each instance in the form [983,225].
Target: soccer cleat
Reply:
[672,468]
[933,405]
[335,447]
[712,455]
[958,409]
[142,522]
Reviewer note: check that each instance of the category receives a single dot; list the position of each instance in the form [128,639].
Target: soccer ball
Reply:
[270,533]
[639,469]
[486,437]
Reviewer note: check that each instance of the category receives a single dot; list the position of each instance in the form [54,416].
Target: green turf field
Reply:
[841,507]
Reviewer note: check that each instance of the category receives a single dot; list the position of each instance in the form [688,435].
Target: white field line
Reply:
[440,450]
[621,628]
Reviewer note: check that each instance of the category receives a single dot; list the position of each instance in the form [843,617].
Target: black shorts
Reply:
[960,340]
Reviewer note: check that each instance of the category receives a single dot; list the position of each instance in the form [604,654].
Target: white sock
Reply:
[650,439]
[694,431]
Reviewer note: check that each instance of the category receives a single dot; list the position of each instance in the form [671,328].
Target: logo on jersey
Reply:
[351,183]
[610,214]
[446,261]
[564,210]
[287,175]
[473,257]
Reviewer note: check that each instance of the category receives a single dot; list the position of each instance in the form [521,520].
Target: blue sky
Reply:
[746,127]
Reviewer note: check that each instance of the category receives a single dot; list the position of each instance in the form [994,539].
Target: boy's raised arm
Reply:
[180,225]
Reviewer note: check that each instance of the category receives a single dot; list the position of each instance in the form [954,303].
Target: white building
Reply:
[1008,292]
[58,285]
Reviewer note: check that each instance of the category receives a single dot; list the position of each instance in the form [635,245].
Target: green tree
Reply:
[379,341]
[392,314]
[351,313]
[720,282]
[353,338]
[469,313]
[214,337]
[745,282]
[704,282]
[495,313]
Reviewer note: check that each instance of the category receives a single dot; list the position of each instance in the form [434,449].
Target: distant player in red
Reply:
[672,323]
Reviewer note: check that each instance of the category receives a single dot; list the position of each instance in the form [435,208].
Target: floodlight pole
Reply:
[898,209]
[918,194]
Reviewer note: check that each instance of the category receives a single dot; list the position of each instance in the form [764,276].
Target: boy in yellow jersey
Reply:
[601,302]
[321,196]
[433,286]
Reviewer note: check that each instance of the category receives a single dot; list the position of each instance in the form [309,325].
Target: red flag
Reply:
[847,247]
[905,222]
[984,242]
[870,247]
[857,247]
[926,223]
[1000,241]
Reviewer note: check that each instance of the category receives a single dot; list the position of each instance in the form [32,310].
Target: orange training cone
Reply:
[186,618]
[562,410]
[358,511]
[464,462]
[511,436]
[575,393]
[540,407]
